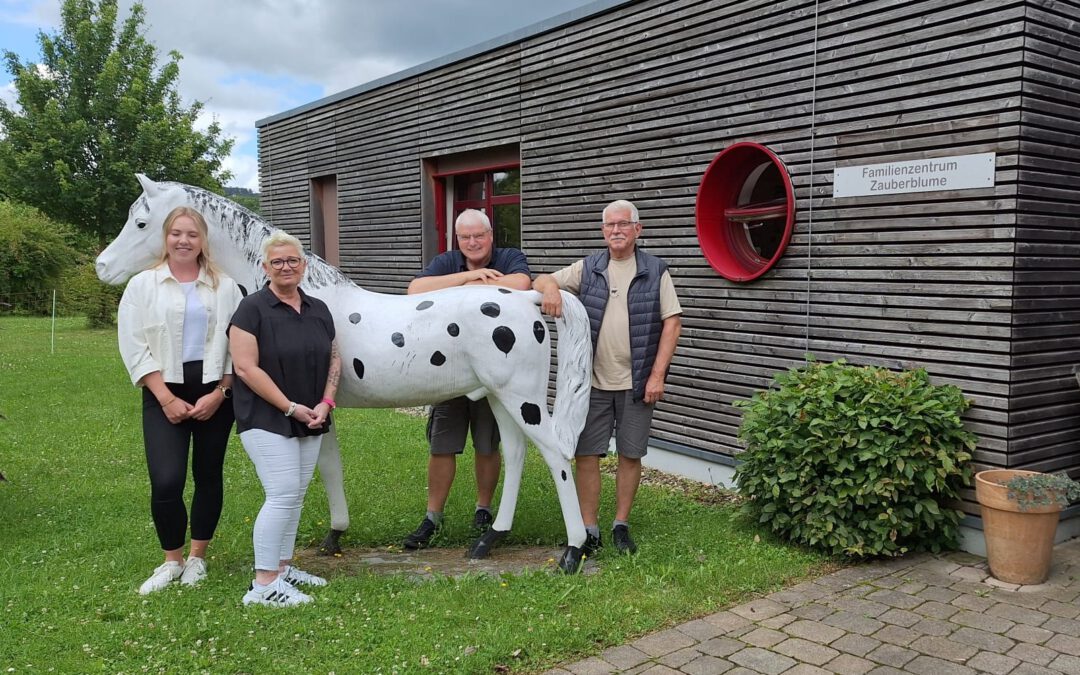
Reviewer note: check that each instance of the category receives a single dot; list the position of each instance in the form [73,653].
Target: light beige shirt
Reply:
[150,325]
[612,361]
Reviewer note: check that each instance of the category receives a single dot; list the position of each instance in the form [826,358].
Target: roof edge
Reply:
[540,27]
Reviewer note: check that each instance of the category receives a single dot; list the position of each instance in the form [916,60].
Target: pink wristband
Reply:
[329,401]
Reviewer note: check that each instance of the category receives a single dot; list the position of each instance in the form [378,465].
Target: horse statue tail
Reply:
[574,379]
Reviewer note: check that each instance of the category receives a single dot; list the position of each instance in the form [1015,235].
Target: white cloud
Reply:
[249,59]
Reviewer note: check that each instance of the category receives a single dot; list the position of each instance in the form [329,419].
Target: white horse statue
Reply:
[406,350]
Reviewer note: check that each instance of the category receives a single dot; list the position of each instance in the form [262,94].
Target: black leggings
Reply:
[167,456]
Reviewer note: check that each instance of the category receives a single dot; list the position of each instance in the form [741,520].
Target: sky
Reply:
[249,59]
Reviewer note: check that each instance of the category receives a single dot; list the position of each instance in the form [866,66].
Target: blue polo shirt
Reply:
[505,260]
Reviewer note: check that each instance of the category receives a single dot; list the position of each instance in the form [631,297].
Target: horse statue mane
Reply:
[404,350]
[245,231]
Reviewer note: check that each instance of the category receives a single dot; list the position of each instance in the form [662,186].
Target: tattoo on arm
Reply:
[334,375]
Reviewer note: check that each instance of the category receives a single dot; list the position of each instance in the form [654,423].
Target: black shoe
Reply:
[592,545]
[482,520]
[422,536]
[620,534]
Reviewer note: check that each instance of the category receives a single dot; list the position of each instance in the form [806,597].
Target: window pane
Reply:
[765,186]
[469,187]
[507,225]
[507,182]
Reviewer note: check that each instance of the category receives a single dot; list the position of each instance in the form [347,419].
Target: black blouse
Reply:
[294,350]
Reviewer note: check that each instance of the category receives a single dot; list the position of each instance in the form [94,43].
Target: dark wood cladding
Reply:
[980,287]
[1044,410]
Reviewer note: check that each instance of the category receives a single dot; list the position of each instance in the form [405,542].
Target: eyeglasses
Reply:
[280,263]
[473,237]
[620,225]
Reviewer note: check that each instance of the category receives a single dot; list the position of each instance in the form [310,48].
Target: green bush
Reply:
[857,460]
[34,251]
[83,293]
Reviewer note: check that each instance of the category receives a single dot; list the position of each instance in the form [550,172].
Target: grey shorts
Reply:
[616,412]
[451,421]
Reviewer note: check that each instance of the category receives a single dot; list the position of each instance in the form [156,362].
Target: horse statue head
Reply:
[235,236]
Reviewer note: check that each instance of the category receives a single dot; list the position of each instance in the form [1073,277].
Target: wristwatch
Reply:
[225,391]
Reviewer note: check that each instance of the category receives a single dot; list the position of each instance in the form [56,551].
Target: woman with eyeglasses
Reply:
[287,362]
[171,328]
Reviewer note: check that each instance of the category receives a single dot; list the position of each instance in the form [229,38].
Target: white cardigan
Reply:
[150,325]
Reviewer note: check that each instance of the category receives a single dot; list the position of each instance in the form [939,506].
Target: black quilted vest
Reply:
[643,301]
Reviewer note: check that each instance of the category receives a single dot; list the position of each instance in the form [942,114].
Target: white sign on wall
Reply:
[960,172]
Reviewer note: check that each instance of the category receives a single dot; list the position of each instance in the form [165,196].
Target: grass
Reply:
[76,540]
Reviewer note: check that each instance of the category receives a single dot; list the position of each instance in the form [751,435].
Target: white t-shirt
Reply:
[194,324]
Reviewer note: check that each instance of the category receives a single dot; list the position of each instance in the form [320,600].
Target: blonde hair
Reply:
[205,263]
[281,238]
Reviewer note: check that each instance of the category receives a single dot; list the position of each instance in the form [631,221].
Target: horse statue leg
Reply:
[514,455]
[513,451]
[333,477]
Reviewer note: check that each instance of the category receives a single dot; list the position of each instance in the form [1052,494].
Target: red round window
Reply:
[745,211]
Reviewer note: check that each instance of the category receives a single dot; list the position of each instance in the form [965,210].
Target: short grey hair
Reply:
[281,238]
[621,205]
[472,214]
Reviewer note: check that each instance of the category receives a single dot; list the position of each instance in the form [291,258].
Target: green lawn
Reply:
[76,540]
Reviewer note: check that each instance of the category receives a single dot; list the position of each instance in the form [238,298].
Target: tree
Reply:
[95,111]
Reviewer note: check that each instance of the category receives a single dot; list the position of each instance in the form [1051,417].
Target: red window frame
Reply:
[486,205]
[721,219]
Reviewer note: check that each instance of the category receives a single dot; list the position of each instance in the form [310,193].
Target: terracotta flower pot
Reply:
[1018,543]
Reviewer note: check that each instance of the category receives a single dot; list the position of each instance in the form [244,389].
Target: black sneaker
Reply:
[620,534]
[482,520]
[592,545]
[422,536]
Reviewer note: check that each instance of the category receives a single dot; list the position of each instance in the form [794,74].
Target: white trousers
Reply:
[285,467]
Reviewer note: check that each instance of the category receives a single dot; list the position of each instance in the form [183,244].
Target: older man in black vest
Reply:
[635,319]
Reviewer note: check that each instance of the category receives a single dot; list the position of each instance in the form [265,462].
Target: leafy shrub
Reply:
[34,251]
[856,459]
[83,293]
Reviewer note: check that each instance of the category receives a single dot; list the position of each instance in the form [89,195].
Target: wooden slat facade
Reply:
[981,287]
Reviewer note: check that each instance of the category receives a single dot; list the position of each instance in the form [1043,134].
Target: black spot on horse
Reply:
[424,305]
[453,330]
[354,317]
[504,339]
[491,309]
[504,290]
[437,359]
[539,331]
[530,412]
[243,291]
[398,339]
[358,366]
[564,475]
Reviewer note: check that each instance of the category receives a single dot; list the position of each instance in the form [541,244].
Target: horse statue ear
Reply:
[149,187]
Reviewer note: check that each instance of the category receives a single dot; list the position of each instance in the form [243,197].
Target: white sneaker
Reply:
[295,575]
[279,593]
[194,571]
[164,575]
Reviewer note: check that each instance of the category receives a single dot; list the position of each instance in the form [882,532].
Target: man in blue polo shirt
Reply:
[476,261]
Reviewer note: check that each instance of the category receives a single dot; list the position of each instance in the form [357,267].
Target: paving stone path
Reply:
[932,615]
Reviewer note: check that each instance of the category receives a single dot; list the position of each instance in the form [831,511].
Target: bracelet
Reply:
[168,403]
[291,410]
[329,401]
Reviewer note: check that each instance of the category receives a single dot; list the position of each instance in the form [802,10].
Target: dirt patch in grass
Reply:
[703,493]
[435,562]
